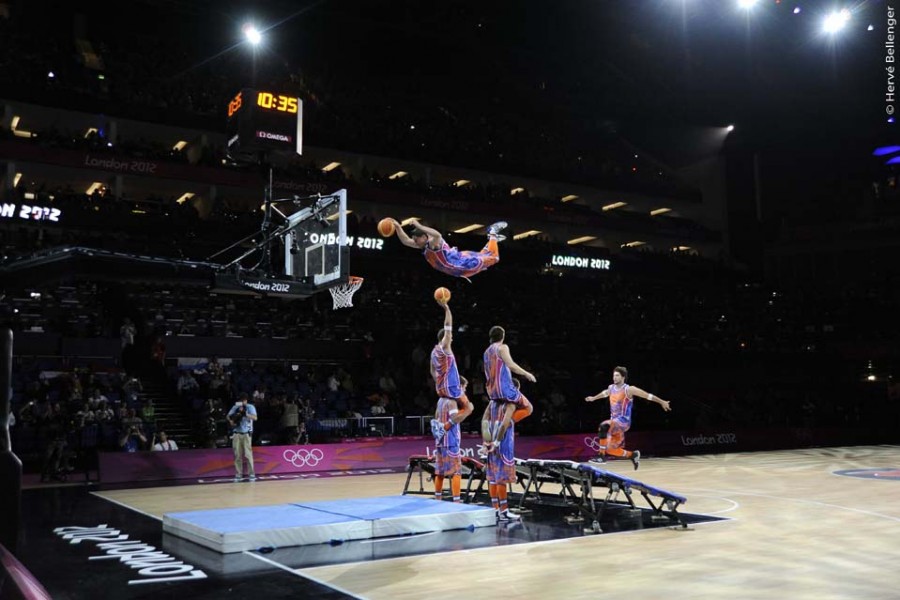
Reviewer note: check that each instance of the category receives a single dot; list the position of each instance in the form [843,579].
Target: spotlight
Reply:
[797,10]
[747,4]
[730,128]
[252,34]
[836,21]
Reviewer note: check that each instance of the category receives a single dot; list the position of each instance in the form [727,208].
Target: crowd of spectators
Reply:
[726,351]
[65,410]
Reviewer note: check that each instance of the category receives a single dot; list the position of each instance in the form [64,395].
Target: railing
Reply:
[421,421]
[354,425]
[367,426]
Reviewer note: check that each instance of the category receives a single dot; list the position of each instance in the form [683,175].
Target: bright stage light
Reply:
[797,10]
[836,21]
[252,34]
[730,128]
[747,4]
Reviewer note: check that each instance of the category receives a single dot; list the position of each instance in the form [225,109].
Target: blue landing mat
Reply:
[283,525]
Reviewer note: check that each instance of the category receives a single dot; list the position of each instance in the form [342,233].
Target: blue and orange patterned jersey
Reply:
[454,262]
[500,466]
[446,408]
[619,403]
[446,375]
[498,379]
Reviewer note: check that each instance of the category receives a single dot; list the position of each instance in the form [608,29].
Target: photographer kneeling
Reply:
[241,417]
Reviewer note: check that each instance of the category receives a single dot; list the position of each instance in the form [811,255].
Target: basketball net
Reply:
[343,294]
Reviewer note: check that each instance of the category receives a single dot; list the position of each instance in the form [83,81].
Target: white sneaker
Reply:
[508,517]
[437,430]
[636,459]
[496,228]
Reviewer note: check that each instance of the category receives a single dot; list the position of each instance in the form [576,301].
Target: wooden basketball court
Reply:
[794,529]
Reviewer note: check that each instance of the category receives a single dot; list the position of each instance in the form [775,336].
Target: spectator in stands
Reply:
[217,379]
[75,392]
[387,384]
[158,354]
[85,416]
[130,390]
[132,439]
[345,380]
[297,435]
[259,394]
[333,383]
[164,444]
[104,413]
[290,420]
[187,384]
[148,412]
[126,333]
[379,404]
[306,415]
[97,398]
[210,431]
[56,428]
[131,419]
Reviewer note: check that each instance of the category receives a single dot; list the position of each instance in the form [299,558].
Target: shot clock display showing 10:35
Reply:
[260,121]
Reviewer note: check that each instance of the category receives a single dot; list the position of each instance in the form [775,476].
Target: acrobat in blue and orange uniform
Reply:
[462,263]
[447,461]
[446,373]
[501,464]
[619,422]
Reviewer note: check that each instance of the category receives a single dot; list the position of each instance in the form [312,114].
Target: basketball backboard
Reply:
[315,249]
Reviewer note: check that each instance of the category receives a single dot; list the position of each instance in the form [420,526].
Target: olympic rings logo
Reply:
[303,457]
[593,443]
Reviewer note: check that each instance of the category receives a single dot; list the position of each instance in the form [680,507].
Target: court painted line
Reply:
[802,501]
[123,505]
[297,573]
[734,505]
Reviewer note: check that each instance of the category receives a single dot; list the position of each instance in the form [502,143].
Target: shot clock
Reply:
[263,121]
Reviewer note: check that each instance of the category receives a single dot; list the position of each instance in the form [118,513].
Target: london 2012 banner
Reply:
[393,453]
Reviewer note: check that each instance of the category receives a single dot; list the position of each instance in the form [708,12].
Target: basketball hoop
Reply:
[343,294]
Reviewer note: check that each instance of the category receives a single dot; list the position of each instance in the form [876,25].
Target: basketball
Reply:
[386,227]
[442,295]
